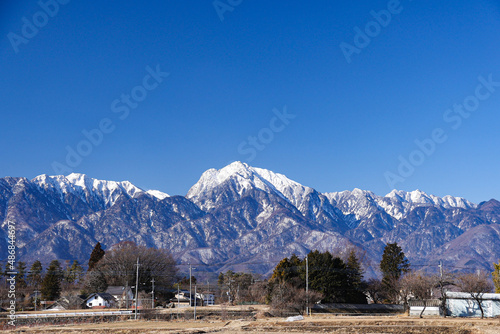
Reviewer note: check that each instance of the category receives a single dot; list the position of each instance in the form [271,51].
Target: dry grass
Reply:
[321,323]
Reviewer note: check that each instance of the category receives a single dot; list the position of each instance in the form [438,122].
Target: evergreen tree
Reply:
[20,277]
[328,275]
[35,274]
[290,271]
[394,262]
[355,286]
[51,285]
[96,255]
[393,265]
[73,273]
[336,281]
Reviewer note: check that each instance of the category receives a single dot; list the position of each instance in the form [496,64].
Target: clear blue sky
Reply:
[352,120]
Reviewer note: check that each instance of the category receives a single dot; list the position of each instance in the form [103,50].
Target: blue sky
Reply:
[353,121]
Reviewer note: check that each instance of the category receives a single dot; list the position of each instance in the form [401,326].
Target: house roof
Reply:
[116,290]
[67,302]
[103,295]
[466,295]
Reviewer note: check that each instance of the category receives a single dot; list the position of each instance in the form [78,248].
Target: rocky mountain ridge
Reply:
[244,218]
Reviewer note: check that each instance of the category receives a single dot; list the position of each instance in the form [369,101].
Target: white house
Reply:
[461,304]
[100,300]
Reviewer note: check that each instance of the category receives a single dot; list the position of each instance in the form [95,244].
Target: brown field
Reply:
[318,323]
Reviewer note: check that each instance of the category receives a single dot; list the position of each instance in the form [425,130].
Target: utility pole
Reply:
[153,294]
[136,287]
[36,295]
[190,284]
[190,292]
[178,299]
[441,269]
[307,285]
[194,314]
[126,295]
[209,299]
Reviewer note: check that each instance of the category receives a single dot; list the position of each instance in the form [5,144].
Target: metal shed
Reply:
[431,307]
[461,304]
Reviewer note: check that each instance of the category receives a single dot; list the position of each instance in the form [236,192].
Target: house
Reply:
[431,307]
[100,300]
[208,298]
[181,299]
[461,304]
[123,295]
[67,303]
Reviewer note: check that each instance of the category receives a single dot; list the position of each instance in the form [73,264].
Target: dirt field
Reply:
[321,323]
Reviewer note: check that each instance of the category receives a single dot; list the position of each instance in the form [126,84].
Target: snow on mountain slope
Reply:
[359,203]
[293,191]
[397,203]
[419,197]
[255,215]
[246,178]
[158,194]
[86,188]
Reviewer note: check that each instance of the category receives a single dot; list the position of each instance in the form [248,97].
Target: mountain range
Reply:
[245,218]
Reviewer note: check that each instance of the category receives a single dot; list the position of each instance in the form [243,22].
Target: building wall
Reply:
[469,308]
[96,301]
[429,310]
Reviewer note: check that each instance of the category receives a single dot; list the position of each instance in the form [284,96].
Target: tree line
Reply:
[338,278]
[117,266]
[329,277]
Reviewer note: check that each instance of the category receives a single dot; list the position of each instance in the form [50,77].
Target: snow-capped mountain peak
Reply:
[256,216]
[418,197]
[244,178]
[89,189]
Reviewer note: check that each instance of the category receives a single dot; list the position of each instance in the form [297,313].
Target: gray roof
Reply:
[116,290]
[103,295]
[67,302]
[466,295]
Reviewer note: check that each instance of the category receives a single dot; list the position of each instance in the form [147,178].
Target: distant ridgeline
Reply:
[244,218]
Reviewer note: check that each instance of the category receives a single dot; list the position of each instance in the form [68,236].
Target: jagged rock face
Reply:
[244,218]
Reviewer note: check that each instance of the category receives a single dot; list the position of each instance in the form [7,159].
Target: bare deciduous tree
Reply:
[374,290]
[443,281]
[402,289]
[286,297]
[119,266]
[419,286]
[258,292]
[476,285]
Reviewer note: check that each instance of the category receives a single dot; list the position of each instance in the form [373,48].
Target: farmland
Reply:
[256,320]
